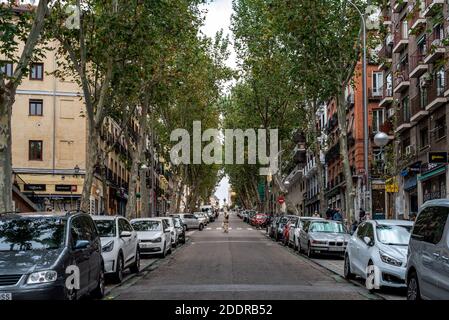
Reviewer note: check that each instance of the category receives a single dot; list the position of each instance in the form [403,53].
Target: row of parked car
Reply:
[398,253]
[40,252]
[254,218]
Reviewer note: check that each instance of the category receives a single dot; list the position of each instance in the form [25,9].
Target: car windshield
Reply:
[394,235]
[327,226]
[106,228]
[147,225]
[43,233]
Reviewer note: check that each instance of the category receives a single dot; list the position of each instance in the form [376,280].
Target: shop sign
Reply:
[438,157]
[65,188]
[34,187]
[391,186]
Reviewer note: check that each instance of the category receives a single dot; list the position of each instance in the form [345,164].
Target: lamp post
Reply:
[365,110]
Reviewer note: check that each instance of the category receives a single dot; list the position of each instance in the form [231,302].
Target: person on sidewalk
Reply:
[337,215]
[329,213]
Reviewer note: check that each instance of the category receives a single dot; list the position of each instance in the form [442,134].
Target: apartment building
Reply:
[416,98]
[336,185]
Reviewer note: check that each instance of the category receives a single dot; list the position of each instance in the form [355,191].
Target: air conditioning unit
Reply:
[410,150]
[390,112]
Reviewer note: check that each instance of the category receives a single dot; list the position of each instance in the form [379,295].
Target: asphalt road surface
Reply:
[242,264]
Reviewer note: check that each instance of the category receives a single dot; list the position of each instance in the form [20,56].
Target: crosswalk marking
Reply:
[208,228]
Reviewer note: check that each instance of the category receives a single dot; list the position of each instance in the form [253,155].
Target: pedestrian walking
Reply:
[329,213]
[226,222]
[337,215]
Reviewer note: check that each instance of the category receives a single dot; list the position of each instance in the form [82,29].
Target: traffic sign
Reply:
[281,199]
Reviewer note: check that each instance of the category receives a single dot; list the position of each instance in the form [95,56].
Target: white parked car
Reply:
[173,231]
[120,245]
[294,236]
[202,217]
[382,244]
[154,235]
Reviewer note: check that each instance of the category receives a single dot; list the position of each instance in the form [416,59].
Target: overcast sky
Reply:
[219,17]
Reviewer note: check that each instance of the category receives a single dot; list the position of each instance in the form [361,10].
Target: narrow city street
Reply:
[243,264]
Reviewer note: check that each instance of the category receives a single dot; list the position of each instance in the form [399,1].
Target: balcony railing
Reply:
[418,105]
[429,6]
[435,94]
[375,93]
[401,36]
[417,65]
[401,79]
[435,47]
[418,19]
[398,5]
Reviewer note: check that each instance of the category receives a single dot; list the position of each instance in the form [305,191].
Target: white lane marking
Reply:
[249,228]
[230,228]
[239,228]
[218,228]
[209,228]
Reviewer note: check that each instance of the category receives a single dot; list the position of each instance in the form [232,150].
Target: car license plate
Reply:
[5,296]
[336,249]
[145,245]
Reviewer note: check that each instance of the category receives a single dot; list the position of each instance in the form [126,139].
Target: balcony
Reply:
[435,95]
[385,57]
[417,65]
[418,20]
[387,96]
[398,5]
[400,39]
[418,105]
[435,48]
[375,93]
[402,79]
[403,121]
[430,7]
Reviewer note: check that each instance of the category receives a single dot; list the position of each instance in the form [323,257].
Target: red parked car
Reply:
[289,227]
[259,220]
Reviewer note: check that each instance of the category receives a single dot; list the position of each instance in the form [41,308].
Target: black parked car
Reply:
[38,252]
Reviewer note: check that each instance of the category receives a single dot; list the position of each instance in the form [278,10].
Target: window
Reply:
[35,150]
[440,127]
[377,83]
[36,107]
[423,137]
[389,87]
[406,109]
[6,68]
[378,119]
[404,29]
[429,225]
[421,43]
[37,71]
[440,82]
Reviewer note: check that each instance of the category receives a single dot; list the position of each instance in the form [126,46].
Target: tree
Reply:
[20,32]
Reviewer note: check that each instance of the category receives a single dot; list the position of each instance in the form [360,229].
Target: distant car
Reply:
[293,237]
[260,220]
[173,232]
[154,236]
[211,215]
[272,226]
[289,228]
[323,236]
[120,245]
[190,221]
[180,230]
[202,218]
[37,251]
[251,214]
[383,244]
[244,215]
[427,275]
[279,231]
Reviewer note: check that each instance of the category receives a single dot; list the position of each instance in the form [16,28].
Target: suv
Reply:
[40,253]
[428,255]
[120,246]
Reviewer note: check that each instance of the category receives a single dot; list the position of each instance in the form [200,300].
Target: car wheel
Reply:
[135,267]
[413,292]
[169,249]
[309,251]
[200,227]
[118,275]
[347,268]
[98,292]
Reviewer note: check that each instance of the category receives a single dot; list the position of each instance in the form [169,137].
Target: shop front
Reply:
[433,181]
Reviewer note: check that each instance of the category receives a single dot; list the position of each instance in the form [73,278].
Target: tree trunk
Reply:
[91,161]
[5,155]
[343,139]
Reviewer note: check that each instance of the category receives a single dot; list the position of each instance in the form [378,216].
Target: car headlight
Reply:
[389,260]
[42,277]
[108,246]
[157,240]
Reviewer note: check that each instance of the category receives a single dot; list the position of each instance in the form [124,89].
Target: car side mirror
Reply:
[368,241]
[125,234]
[81,244]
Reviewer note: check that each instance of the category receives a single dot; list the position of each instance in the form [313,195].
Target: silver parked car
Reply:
[382,244]
[323,236]
[189,221]
[427,274]
[293,235]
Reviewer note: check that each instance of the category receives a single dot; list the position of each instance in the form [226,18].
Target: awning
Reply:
[432,173]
